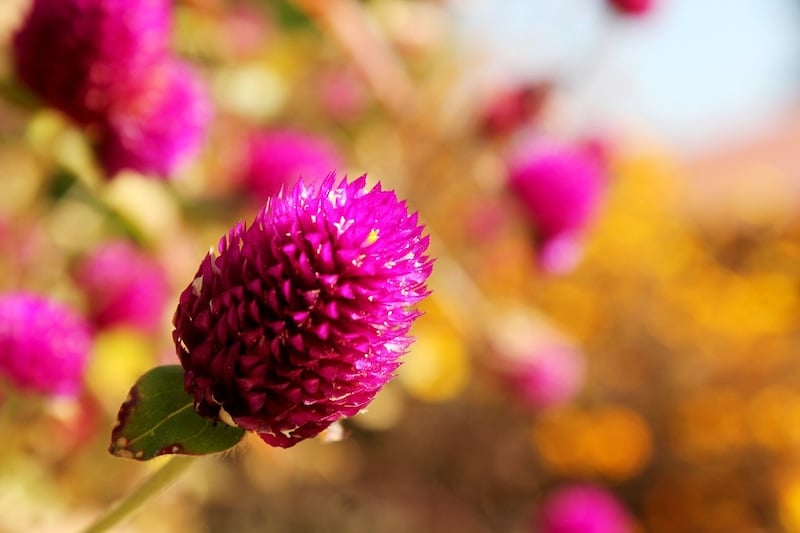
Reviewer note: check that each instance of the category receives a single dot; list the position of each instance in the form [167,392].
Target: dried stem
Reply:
[350,25]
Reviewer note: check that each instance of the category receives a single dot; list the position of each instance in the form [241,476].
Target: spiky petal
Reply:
[301,317]
[44,345]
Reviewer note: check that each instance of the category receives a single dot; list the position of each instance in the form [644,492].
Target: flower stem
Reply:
[159,480]
[349,24]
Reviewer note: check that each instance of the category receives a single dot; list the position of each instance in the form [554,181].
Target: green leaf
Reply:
[13,92]
[61,181]
[289,17]
[158,418]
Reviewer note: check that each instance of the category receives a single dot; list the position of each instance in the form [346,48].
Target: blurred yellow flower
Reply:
[611,441]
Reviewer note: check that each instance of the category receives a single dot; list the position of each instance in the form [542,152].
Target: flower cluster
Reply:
[44,345]
[106,64]
[301,317]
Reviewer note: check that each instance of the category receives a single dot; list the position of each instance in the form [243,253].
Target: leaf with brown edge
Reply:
[158,418]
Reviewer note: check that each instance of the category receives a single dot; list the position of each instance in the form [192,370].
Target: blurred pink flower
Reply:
[300,318]
[44,345]
[632,7]
[544,376]
[84,57]
[106,64]
[123,287]
[278,158]
[74,429]
[559,188]
[342,94]
[161,128]
[510,109]
[485,219]
[245,28]
[582,508]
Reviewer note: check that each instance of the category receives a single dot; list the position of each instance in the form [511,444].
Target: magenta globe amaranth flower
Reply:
[559,188]
[544,376]
[278,158]
[84,56]
[107,65]
[342,94]
[162,128]
[534,362]
[301,317]
[510,109]
[632,7]
[123,287]
[44,345]
[582,508]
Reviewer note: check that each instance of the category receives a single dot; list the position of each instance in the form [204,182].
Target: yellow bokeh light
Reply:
[611,441]
[437,368]
[118,358]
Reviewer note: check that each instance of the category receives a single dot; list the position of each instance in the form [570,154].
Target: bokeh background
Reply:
[676,334]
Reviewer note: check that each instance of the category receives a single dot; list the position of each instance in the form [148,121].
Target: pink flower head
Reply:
[44,346]
[245,29]
[632,7]
[161,128]
[84,56]
[278,158]
[123,286]
[582,508]
[510,109]
[545,376]
[559,188]
[343,96]
[301,317]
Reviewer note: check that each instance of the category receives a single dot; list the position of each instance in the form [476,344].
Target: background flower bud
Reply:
[559,188]
[85,57]
[582,508]
[123,287]
[160,129]
[278,158]
[44,345]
